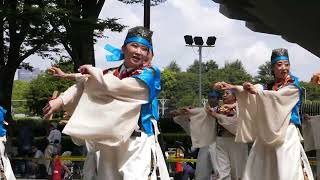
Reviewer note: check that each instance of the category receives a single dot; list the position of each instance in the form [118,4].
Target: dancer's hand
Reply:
[85,69]
[223,86]
[57,72]
[250,88]
[211,112]
[51,107]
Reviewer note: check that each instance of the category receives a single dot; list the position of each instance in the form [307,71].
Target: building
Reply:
[27,75]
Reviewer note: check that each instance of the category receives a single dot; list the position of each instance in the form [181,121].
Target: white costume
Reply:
[201,128]
[311,136]
[231,155]
[5,162]
[105,111]
[264,118]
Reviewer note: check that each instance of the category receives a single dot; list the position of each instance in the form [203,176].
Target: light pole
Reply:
[199,43]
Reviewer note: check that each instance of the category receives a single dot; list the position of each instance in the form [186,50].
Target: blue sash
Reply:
[151,77]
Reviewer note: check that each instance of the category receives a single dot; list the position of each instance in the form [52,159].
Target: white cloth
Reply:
[277,152]
[105,109]
[206,163]
[6,162]
[311,133]
[184,122]
[231,158]
[54,135]
[132,160]
[201,127]
[229,123]
[279,163]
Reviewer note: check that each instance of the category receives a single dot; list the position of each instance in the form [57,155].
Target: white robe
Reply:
[277,153]
[202,128]
[231,156]
[6,162]
[105,112]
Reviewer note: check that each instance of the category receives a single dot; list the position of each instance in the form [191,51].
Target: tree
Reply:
[232,72]
[194,68]
[265,75]
[45,84]
[24,31]
[173,66]
[78,25]
[19,96]
[29,27]
[210,65]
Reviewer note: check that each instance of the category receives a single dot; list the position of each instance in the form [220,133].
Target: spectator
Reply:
[53,148]
[36,165]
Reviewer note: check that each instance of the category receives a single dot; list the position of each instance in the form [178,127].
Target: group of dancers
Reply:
[115,113]
[265,115]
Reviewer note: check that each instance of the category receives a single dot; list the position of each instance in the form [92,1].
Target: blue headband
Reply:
[139,40]
[214,94]
[279,58]
[117,54]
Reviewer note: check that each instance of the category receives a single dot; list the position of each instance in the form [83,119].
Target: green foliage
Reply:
[205,66]
[265,75]
[182,88]
[41,89]
[312,91]
[19,96]
[173,66]
[19,89]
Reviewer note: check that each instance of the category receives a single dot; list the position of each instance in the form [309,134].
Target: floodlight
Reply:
[198,40]
[211,40]
[188,39]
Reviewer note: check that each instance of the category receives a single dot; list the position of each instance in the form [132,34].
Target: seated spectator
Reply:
[36,165]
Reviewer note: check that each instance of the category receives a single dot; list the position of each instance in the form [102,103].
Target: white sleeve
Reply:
[265,115]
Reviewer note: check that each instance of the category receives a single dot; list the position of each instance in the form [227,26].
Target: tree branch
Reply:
[99,6]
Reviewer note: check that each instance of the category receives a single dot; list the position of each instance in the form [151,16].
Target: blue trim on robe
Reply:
[3,112]
[295,117]
[151,77]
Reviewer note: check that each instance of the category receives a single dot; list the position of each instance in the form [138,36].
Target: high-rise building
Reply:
[27,75]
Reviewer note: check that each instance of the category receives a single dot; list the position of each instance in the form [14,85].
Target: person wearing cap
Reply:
[116,111]
[5,166]
[230,155]
[269,117]
[198,124]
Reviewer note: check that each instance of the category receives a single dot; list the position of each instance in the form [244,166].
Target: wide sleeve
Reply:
[127,89]
[202,128]
[265,115]
[229,123]
[108,109]
[184,122]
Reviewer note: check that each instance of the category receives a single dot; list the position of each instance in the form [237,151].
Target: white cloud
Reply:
[173,19]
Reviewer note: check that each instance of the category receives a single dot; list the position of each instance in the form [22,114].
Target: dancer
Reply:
[5,166]
[116,111]
[201,127]
[230,155]
[269,118]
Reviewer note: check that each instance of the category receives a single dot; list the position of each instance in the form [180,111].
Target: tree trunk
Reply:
[6,84]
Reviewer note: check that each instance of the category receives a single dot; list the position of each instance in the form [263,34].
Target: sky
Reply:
[173,19]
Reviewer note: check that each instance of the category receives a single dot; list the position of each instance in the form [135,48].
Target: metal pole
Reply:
[200,75]
[146,17]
